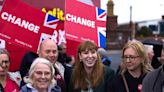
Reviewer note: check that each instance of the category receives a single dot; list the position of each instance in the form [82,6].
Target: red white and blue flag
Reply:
[101,28]
[100,14]
[51,21]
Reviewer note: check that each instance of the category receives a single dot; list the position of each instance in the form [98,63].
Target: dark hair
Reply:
[68,59]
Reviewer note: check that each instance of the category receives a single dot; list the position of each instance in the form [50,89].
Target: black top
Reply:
[1,88]
[25,64]
[134,84]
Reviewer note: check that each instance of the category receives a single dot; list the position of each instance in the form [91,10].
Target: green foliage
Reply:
[144,32]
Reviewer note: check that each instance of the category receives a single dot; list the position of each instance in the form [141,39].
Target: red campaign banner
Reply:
[25,26]
[85,22]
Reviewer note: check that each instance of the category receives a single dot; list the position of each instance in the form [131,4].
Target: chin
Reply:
[90,66]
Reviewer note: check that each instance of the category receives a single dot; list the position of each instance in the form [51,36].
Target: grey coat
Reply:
[25,88]
[154,81]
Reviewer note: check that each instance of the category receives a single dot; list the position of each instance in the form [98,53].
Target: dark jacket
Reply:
[102,87]
[25,64]
[25,88]
[117,85]
[154,81]
[1,88]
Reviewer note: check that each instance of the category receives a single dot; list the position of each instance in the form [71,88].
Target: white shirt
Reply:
[60,68]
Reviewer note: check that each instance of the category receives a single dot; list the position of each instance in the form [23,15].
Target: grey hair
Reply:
[148,48]
[4,51]
[32,70]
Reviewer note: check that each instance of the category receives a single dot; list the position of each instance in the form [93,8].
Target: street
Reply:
[115,56]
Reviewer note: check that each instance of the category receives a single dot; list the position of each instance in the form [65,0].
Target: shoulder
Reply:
[150,80]
[108,70]
[108,73]
[56,89]
[11,86]
[11,83]
[25,88]
[153,74]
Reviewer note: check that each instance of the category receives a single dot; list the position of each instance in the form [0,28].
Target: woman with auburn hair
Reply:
[134,66]
[89,74]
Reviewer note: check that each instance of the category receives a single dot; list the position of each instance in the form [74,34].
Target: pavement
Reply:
[115,56]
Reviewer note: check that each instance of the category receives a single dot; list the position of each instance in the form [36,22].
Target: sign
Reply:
[85,22]
[23,25]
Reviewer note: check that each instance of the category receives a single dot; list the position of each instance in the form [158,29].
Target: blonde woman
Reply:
[134,66]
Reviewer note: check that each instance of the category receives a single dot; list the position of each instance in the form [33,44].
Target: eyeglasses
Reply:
[130,58]
[4,61]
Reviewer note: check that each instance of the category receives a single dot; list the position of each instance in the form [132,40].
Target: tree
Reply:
[144,32]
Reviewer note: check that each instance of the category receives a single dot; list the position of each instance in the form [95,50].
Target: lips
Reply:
[3,73]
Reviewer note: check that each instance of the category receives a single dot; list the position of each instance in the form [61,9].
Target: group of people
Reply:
[46,72]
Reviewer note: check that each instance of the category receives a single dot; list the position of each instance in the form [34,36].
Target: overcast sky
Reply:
[141,9]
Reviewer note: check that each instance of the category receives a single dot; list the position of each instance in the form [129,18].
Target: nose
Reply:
[90,54]
[127,60]
[3,64]
[43,75]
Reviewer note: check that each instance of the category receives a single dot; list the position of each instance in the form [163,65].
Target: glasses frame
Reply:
[130,58]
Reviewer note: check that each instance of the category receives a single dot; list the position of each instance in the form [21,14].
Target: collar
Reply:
[35,90]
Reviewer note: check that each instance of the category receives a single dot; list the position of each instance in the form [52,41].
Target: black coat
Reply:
[117,85]
[26,63]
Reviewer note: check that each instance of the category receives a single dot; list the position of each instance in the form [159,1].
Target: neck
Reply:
[88,70]
[3,81]
[42,90]
[135,73]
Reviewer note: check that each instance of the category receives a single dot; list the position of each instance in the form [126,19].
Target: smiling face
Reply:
[48,50]
[88,57]
[41,76]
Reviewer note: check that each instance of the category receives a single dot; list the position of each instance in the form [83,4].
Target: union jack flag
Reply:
[51,21]
[101,36]
[101,28]
[100,14]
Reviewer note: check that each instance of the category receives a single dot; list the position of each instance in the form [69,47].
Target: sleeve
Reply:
[111,86]
[109,75]
[149,81]
[145,85]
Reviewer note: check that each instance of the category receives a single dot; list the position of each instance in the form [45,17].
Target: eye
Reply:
[47,73]
[38,72]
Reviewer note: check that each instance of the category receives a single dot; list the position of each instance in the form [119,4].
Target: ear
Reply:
[38,52]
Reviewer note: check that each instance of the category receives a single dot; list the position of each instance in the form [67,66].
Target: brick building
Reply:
[117,35]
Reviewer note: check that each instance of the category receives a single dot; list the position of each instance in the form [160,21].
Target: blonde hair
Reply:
[140,49]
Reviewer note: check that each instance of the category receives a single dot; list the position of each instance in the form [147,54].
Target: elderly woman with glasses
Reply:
[134,66]
[7,84]
[41,77]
